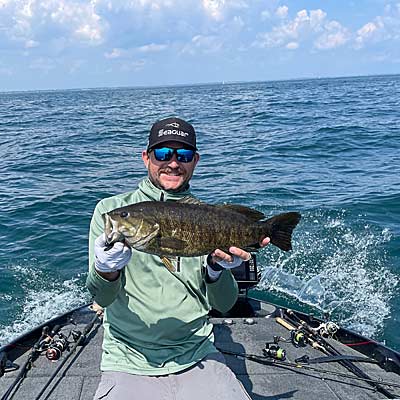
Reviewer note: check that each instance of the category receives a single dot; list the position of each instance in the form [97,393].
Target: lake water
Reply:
[329,148]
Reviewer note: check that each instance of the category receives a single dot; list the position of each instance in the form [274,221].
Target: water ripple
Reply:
[329,148]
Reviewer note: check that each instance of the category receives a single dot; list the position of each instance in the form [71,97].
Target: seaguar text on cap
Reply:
[166,132]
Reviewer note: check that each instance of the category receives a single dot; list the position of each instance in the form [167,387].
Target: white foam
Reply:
[43,299]
[337,269]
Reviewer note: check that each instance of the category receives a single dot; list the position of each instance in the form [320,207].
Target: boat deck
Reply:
[79,379]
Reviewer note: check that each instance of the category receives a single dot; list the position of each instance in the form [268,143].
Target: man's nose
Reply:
[173,162]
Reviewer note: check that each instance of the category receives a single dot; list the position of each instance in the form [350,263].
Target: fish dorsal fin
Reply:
[250,213]
[189,200]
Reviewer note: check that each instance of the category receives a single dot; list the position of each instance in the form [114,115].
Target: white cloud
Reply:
[152,48]
[266,14]
[114,53]
[214,8]
[238,22]
[123,24]
[292,46]
[81,18]
[203,44]
[367,29]
[126,54]
[88,33]
[384,27]
[29,44]
[369,32]
[129,34]
[30,21]
[286,32]
[217,9]
[282,11]
[307,27]
[334,35]
[317,18]
[331,41]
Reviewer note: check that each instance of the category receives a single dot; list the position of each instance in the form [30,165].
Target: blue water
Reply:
[329,148]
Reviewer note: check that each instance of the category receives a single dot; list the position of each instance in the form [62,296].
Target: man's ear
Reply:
[196,158]
[145,158]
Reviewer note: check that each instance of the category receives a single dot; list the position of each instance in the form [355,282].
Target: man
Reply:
[158,343]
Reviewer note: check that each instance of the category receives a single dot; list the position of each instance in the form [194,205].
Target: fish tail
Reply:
[279,229]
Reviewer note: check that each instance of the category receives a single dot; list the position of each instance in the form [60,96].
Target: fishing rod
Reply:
[291,318]
[299,339]
[37,349]
[300,333]
[298,367]
[79,338]
[327,359]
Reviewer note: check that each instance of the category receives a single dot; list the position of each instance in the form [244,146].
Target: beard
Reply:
[157,181]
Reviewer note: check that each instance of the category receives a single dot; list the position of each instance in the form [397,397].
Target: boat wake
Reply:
[337,269]
[43,298]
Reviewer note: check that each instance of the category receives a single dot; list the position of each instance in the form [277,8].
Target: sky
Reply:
[60,44]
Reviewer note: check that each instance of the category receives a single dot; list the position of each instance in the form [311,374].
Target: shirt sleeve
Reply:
[103,291]
[223,293]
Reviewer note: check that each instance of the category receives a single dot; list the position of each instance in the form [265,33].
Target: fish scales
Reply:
[184,228]
[233,229]
[221,228]
[203,228]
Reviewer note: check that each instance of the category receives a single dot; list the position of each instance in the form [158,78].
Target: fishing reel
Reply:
[273,350]
[298,338]
[328,329]
[57,347]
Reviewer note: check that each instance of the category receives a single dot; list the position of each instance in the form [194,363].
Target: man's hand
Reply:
[239,255]
[219,260]
[108,263]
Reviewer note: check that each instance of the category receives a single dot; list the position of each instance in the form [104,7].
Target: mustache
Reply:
[169,170]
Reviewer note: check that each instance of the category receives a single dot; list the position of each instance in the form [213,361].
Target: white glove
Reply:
[229,265]
[113,259]
[214,273]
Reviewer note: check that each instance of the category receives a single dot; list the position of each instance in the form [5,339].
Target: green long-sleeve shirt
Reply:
[155,320]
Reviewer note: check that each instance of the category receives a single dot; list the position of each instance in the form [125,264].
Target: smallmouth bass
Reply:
[188,227]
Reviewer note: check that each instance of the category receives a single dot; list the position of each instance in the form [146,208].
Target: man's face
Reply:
[171,175]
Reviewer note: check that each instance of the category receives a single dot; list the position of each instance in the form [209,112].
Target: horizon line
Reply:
[194,83]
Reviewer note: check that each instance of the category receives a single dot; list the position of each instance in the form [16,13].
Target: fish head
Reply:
[123,225]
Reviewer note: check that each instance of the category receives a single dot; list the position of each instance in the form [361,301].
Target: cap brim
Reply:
[157,143]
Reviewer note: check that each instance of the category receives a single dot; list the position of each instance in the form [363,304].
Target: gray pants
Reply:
[209,379]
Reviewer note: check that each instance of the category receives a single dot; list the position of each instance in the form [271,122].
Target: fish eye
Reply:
[124,214]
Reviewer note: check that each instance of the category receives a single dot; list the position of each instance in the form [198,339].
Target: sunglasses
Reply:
[166,154]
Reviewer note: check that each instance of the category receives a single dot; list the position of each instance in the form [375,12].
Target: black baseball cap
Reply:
[172,130]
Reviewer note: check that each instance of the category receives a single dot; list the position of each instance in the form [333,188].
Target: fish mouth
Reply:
[111,231]
[114,237]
